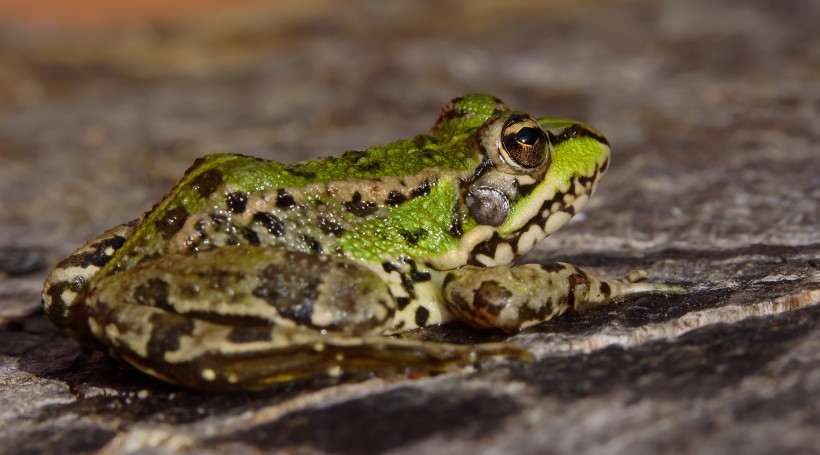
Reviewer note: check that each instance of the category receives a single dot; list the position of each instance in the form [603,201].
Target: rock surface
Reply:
[712,109]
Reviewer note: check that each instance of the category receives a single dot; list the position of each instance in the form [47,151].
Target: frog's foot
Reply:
[634,284]
[512,298]
[634,276]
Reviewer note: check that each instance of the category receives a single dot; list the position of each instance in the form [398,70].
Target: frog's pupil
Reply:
[527,135]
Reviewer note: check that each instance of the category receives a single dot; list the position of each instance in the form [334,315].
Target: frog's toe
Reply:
[635,283]
[634,276]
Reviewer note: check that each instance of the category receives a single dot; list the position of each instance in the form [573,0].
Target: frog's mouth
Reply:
[540,214]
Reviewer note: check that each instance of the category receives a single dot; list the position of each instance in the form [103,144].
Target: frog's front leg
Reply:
[512,298]
[246,317]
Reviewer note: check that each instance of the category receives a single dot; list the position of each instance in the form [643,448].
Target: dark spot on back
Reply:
[207,182]
[395,199]
[270,222]
[330,227]
[284,200]
[237,201]
[408,285]
[171,222]
[389,267]
[421,190]
[251,236]
[359,207]
[402,302]
[419,276]
[314,245]
[413,237]
[422,315]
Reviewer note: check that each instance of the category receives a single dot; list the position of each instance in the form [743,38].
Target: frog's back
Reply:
[355,204]
[331,205]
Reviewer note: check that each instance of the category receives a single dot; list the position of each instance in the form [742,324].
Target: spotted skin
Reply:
[491,300]
[251,272]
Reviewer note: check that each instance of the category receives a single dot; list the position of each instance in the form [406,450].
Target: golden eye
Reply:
[524,142]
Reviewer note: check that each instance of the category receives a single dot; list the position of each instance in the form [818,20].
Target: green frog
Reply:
[251,272]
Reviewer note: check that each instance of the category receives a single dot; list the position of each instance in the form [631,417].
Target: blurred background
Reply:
[103,105]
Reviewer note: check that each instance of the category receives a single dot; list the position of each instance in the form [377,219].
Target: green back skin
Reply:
[400,208]
[400,199]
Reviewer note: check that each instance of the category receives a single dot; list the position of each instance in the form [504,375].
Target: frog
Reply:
[250,272]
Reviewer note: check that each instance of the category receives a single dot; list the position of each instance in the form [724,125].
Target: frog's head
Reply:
[532,176]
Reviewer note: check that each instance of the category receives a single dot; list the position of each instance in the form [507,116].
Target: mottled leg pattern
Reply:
[64,290]
[246,317]
[512,298]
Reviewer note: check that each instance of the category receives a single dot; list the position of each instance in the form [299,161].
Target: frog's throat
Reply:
[461,254]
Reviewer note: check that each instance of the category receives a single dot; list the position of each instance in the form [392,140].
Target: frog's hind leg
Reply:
[211,356]
[63,292]
[246,317]
[512,298]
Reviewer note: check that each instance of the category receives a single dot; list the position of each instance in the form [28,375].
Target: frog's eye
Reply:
[523,142]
